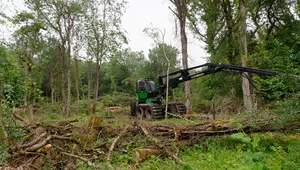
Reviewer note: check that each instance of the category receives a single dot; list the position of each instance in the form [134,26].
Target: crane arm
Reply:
[184,75]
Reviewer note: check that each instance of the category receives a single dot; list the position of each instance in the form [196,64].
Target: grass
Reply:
[273,151]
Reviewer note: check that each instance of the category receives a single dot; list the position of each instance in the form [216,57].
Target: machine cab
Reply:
[145,88]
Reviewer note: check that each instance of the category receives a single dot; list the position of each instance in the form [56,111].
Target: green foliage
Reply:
[117,99]
[158,64]
[241,137]
[11,85]
[4,151]
[227,153]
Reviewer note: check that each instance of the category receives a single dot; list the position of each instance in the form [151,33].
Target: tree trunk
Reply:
[96,85]
[69,78]
[63,82]
[89,87]
[52,89]
[245,82]
[77,83]
[181,14]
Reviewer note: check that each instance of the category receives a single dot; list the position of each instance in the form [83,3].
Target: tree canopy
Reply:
[76,49]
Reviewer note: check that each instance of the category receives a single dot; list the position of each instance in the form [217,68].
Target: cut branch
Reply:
[39,145]
[110,152]
[33,141]
[23,120]
[159,144]
[83,159]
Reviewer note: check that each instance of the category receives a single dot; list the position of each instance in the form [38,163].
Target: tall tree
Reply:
[181,12]
[60,16]
[29,43]
[104,33]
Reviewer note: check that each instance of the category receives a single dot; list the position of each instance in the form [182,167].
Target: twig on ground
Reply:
[159,144]
[83,159]
[34,141]
[110,152]
[178,116]
[39,145]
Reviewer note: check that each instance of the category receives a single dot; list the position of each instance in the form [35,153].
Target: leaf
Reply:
[255,141]
[255,157]
[241,137]
[258,156]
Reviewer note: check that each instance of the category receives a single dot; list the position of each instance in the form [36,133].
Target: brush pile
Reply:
[62,144]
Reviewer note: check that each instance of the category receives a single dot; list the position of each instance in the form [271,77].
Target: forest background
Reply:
[68,51]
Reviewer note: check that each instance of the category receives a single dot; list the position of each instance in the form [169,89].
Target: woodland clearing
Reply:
[116,140]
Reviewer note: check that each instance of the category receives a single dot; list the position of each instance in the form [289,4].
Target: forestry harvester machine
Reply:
[149,97]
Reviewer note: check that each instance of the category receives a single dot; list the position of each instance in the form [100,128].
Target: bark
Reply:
[69,23]
[168,71]
[243,38]
[96,87]
[69,79]
[181,14]
[77,84]
[52,89]
[99,55]
[89,86]
[63,82]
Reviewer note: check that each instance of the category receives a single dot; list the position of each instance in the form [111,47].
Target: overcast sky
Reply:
[141,14]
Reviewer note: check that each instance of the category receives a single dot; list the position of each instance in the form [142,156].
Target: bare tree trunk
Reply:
[52,88]
[185,65]
[168,71]
[69,78]
[99,55]
[181,14]
[89,86]
[77,83]
[63,82]
[96,88]
[245,82]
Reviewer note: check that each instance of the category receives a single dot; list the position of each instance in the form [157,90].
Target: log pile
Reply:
[62,142]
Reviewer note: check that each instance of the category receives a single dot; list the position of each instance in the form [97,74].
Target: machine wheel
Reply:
[177,109]
[133,108]
[181,109]
[154,111]
[140,113]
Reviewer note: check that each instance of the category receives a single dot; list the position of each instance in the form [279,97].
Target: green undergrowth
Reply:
[258,151]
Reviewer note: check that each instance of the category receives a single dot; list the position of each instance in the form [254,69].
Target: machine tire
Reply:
[177,109]
[148,113]
[181,109]
[133,108]
[154,111]
[140,113]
